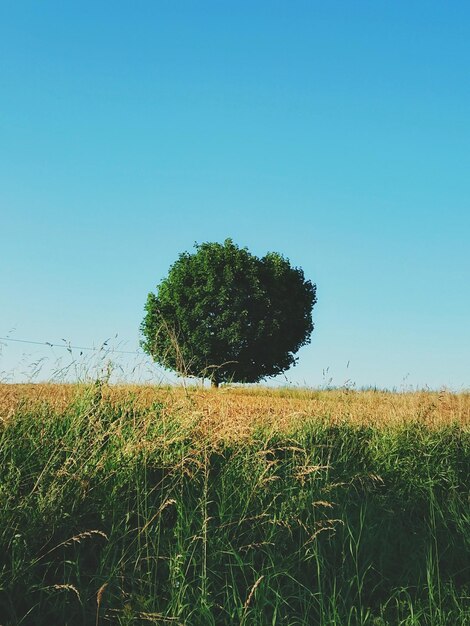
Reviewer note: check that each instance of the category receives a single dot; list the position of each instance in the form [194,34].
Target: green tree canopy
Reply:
[223,313]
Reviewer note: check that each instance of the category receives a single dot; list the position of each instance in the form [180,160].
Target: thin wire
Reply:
[67,346]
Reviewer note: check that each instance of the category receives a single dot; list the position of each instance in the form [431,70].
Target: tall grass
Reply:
[136,506]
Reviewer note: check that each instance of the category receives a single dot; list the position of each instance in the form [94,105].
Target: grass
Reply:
[142,505]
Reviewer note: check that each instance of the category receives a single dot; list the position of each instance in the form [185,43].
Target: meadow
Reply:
[238,506]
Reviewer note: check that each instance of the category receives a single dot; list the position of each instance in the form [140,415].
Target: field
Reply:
[162,505]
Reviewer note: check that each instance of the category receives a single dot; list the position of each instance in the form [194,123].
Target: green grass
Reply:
[123,514]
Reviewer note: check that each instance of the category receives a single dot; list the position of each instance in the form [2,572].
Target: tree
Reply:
[223,313]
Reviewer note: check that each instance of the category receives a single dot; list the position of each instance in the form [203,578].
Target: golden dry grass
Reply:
[234,413]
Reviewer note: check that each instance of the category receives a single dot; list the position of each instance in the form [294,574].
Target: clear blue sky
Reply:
[337,133]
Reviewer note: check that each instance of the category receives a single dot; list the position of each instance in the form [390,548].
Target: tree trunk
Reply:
[214,383]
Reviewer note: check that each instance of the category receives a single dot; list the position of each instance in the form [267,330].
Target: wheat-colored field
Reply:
[236,412]
[242,505]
